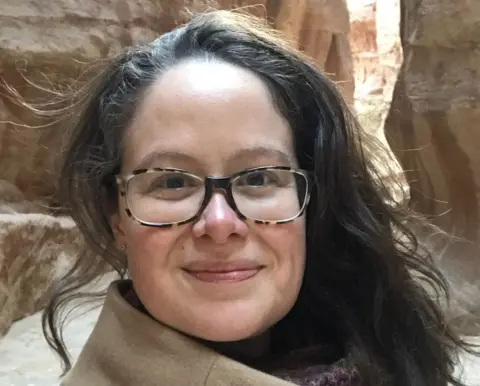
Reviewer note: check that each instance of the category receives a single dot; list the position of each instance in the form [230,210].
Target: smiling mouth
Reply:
[231,276]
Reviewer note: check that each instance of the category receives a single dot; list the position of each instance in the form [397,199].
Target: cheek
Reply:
[287,242]
[286,238]
[150,248]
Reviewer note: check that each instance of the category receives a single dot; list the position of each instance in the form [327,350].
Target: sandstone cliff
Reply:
[50,43]
[433,126]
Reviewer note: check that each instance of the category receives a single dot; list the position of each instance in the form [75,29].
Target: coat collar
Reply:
[128,347]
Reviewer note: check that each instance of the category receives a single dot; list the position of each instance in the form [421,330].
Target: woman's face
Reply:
[212,119]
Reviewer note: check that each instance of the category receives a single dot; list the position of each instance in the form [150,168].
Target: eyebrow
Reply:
[248,154]
[155,156]
[264,152]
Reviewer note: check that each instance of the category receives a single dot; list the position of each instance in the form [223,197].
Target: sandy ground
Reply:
[26,360]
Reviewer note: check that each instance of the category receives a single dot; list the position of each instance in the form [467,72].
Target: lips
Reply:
[223,272]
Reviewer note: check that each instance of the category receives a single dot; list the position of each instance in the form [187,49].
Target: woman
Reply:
[223,174]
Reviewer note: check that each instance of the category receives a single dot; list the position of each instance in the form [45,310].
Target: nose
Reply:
[219,221]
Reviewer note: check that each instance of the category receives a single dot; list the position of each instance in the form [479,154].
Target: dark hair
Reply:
[366,278]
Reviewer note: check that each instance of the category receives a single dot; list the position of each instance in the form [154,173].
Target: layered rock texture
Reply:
[377,56]
[320,28]
[35,249]
[433,126]
[375,43]
[49,44]
[363,39]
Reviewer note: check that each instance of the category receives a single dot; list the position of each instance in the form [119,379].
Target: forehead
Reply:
[209,111]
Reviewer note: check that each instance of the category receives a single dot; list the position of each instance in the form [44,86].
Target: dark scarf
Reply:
[341,373]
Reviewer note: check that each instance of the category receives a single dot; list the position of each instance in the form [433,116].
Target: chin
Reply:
[227,334]
[229,327]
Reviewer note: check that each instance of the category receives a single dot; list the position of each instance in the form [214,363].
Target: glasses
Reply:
[165,197]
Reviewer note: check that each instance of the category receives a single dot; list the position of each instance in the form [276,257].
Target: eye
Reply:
[172,181]
[166,185]
[260,178]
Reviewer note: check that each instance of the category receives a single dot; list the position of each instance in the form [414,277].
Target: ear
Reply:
[117,230]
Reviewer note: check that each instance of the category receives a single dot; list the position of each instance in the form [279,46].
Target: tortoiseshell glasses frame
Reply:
[214,184]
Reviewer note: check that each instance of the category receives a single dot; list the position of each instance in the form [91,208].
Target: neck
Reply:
[246,350]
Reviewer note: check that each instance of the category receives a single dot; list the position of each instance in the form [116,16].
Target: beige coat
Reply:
[129,348]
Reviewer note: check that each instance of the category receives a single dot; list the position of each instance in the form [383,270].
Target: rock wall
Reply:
[35,248]
[363,40]
[433,126]
[320,28]
[375,43]
[50,44]
[377,56]
[436,110]
[389,47]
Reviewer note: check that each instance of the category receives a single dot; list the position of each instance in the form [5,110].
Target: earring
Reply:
[123,247]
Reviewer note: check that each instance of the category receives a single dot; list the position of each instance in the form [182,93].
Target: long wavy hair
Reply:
[368,288]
